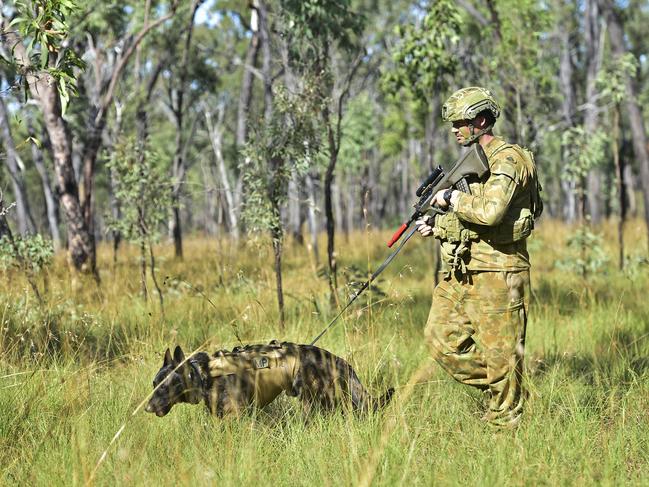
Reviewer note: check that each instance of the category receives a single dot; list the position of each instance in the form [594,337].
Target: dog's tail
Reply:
[383,401]
[362,400]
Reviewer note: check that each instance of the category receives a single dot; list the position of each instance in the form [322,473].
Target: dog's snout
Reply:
[149,408]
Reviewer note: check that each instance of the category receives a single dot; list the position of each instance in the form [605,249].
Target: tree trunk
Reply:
[89,158]
[115,208]
[247,81]
[636,120]
[630,187]
[570,206]
[312,217]
[295,211]
[373,174]
[350,200]
[143,286]
[50,201]
[510,110]
[264,36]
[330,225]
[276,234]
[216,138]
[115,212]
[594,55]
[81,249]
[12,160]
[567,87]
[619,180]
[211,199]
[178,165]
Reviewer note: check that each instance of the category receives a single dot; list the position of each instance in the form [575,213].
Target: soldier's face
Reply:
[462,131]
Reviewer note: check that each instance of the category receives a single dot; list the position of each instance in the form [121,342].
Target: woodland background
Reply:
[212,172]
[299,117]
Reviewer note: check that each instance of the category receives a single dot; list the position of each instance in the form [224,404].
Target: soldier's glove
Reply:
[424,227]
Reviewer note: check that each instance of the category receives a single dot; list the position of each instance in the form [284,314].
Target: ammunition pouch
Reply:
[450,228]
[514,226]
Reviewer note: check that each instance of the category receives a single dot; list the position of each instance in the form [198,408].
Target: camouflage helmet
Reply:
[465,104]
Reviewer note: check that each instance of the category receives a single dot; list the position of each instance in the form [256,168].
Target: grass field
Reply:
[74,372]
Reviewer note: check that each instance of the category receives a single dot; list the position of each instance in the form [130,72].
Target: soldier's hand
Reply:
[424,225]
[439,200]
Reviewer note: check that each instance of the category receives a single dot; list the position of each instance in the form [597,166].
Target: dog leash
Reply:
[367,283]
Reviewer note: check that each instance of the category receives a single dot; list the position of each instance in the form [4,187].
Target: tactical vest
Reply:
[517,224]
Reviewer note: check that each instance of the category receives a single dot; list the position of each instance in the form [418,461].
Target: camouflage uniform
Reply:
[476,326]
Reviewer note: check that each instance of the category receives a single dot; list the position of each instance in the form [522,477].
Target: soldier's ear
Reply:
[168,360]
[179,356]
[479,121]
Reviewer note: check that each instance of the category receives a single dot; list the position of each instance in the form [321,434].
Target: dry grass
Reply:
[73,371]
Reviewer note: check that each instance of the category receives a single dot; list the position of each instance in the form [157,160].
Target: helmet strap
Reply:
[477,135]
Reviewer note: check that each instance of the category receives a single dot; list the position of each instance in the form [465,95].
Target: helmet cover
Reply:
[465,104]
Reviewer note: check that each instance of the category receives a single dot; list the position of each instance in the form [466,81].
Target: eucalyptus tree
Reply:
[49,60]
[39,142]
[322,43]
[634,111]
[15,167]
[142,188]
[424,58]
[612,85]
[567,34]
[284,144]
[48,66]
[593,60]
[111,35]
[177,105]
[423,62]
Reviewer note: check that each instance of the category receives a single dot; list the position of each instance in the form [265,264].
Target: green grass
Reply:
[73,371]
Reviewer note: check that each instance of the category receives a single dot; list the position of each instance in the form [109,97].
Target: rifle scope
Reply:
[433,176]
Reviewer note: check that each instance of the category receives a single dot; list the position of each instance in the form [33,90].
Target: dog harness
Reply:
[270,368]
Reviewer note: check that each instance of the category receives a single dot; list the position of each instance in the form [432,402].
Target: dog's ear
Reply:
[168,360]
[179,356]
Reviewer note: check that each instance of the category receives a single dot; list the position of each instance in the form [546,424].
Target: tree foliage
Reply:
[45,27]
[425,55]
[143,189]
[356,90]
[280,148]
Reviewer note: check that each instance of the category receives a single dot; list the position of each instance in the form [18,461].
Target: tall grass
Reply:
[73,371]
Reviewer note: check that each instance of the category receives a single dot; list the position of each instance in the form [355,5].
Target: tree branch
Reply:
[473,12]
[107,98]
[345,93]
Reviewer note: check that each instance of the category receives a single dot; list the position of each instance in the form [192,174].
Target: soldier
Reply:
[476,326]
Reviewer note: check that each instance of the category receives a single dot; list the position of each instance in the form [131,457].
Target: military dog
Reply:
[253,376]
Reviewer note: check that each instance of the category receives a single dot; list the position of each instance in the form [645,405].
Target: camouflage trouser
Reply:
[476,332]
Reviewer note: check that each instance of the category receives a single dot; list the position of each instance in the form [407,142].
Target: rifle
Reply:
[473,164]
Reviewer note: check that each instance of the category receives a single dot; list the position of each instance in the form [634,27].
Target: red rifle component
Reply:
[397,234]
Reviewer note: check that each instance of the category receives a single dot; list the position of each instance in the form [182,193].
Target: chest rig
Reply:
[517,224]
